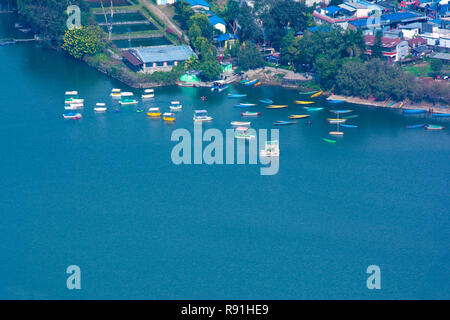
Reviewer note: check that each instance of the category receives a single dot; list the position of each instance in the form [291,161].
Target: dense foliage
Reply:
[249,57]
[49,17]
[79,42]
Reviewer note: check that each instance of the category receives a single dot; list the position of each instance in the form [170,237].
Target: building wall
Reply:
[221,27]
[402,50]
[164,2]
[311,3]
[410,33]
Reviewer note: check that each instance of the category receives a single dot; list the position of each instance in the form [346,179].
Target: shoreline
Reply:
[385,104]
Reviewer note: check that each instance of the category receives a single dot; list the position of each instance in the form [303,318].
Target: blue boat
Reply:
[236,95]
[335,101]
[284,123]
[414,126]
[341,111]
[348,126]
[414,111]
[250,82]
[441,114]
[266,101]
[242,106]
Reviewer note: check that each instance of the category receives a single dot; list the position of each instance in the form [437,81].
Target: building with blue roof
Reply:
[199,5]
[218,23]
[158,58]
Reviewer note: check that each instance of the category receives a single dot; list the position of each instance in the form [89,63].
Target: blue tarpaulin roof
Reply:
[164,53]
[332,9]
[215,20]
[226,36]
[198,3]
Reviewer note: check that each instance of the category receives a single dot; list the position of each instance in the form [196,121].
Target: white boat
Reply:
[74,106]
[176,108]
[116,93]
[201,116]
[125,102]
[71,93]
[242,133]
[72,115]
[240,123]
[175,102]
[271,149]
[74,101]
[148,93]
[100,107]
[127,94]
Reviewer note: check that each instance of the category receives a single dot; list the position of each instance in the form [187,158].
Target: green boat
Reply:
[308,92]
[351,117]
[328,140]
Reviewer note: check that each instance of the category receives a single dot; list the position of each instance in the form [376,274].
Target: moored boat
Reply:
[185,84]
[284,123]
[240,123]
[317,94]
[259,83]
[201,116]
[433,127]
[236,95]
[116,93]
[154,112]
[250,114]
[73,101]
[242,133]
[100,107]
[250,82]
[219,86]
[266,101]
[127,94]
[336,133]
[340,111]
[303,102]
[330,120]
[148,94]
[74,106]
[348,126]
[299,116]
[176,107]
[168,116]
[125,102]
[313,108]
[72,115]
[277,106]
[414,111]
[307,92]
[335,101]
[71,93]
[415,126]
[271,149]
[328,140]
[441,114]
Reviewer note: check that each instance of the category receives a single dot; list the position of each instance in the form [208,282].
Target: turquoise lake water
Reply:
[102,193]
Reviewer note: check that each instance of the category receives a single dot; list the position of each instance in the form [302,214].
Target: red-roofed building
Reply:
[416,42]
[394,49]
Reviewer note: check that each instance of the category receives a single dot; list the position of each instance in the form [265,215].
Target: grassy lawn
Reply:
[419,70]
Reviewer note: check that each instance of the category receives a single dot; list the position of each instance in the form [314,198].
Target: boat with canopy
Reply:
[271,149]
[148,94]
[125,102]
[154,112]
[240,123]
[201,116]
[250,114]
[100,107]
[169,116]
[433,127]
[116,93]
[242,133]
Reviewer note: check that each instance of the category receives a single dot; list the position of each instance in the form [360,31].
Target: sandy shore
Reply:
[386,104]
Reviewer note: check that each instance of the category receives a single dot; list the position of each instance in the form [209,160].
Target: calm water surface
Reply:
[102,193]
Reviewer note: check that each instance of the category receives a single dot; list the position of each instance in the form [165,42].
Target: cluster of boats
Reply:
[72,103]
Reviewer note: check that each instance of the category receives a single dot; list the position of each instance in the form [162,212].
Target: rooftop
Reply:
[387,42]
[216,20]
[164,53]
[202,3]
[442,56]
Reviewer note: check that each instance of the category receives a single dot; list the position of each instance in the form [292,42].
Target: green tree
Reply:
[183,13]
[436,65]
[194,33]
[250,57]
[83,41]
[249,29]
[377,48]
[202,22]
[210,69]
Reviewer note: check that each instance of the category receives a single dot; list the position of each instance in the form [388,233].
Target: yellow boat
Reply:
[317,94]
[169,117]
[299,116]
[154,112]
[276,106]
[303,102]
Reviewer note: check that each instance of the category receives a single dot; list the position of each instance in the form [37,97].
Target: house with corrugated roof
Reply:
[157,58]
[394,49]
